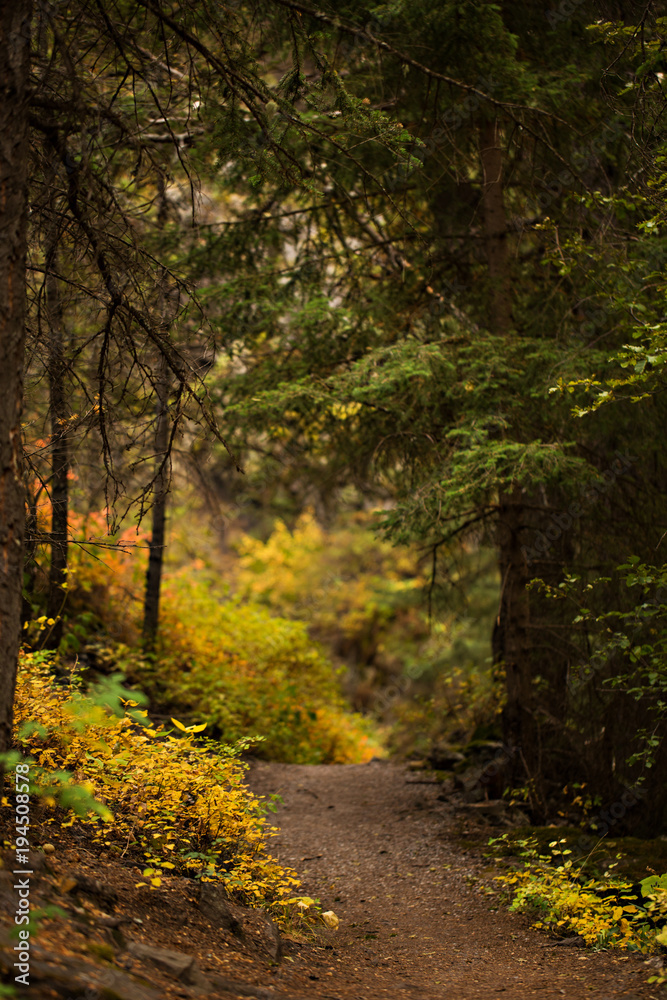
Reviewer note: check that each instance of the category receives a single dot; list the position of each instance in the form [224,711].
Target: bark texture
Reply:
[157,541]
[495,229]
[511,642]
[14,74]
[512,647]
[60,461]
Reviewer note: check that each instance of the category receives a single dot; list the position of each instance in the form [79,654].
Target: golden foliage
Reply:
[176,802]
[604,914]
[233,664]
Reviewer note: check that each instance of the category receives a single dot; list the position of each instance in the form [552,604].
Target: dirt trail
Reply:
[380,850]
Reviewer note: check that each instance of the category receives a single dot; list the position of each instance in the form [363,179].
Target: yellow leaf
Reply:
[179,725]
[617,914]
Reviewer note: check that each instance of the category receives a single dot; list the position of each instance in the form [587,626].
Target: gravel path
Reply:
[378,848]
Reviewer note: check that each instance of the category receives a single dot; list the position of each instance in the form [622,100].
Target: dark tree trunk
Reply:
[157,542]
[59,453]
[513,652]
[29,552]
[14,71]
[495,229]
[511,644]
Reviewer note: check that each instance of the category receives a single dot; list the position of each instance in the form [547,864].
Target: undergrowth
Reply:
[230,663]
[416,657]
[249,672]
[606,913]
[168,798]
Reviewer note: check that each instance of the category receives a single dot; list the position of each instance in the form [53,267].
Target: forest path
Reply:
[379,849]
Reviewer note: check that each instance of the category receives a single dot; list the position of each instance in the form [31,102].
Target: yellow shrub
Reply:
[232,664]
[345,582]
[366,601]
[248,672]
[178,803]
[604,914]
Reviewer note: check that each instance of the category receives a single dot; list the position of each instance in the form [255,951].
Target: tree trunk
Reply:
[29,552]
[59,452]
[495,229]
[512,649]
[511,644]
[14,72]
[156,544]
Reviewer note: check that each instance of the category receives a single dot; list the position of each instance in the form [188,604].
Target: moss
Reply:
[101,950]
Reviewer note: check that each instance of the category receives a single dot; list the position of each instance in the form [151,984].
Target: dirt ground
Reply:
[401,869]
[376,846]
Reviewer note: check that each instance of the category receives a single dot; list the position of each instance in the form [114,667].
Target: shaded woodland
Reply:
[331,393]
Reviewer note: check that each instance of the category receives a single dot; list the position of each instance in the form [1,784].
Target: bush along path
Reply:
[377,846]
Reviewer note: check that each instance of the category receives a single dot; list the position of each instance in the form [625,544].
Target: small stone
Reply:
[490,807]
[444,758]
[330,919]
[95,888]
[174,963]
[576,941]
[272,939]
[214,902]
[48,849]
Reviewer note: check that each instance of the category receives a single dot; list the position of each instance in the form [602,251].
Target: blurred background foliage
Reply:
[321,642]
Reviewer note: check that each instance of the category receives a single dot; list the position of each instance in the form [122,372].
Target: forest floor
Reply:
[401,868]
[396,864]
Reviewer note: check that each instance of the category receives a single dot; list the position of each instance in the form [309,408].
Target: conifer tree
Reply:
[423,371]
